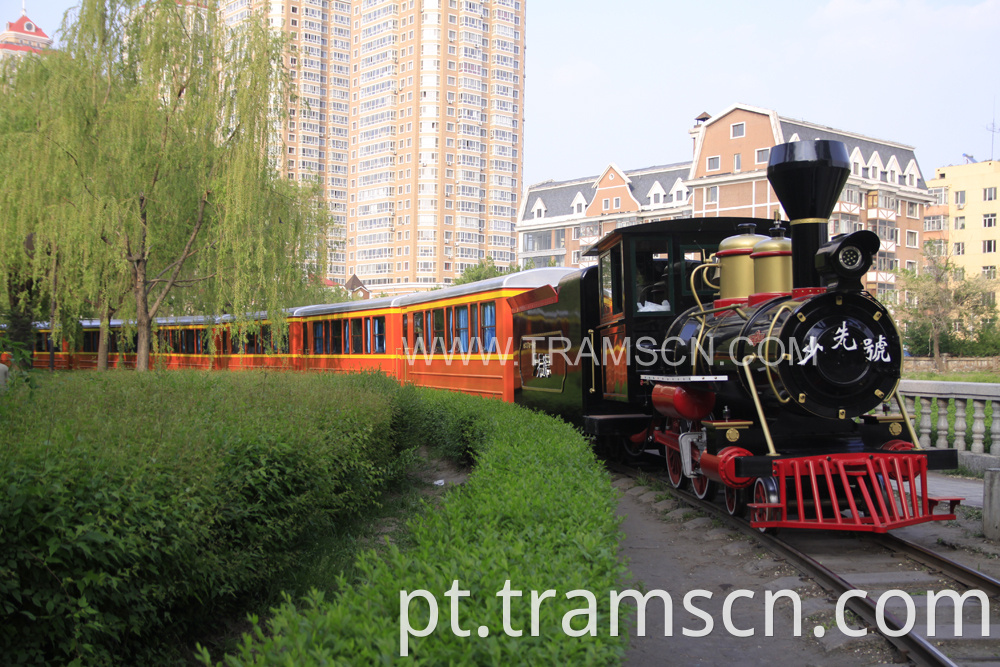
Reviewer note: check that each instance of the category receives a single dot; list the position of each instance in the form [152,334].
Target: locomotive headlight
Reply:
[850,258]
[844,261]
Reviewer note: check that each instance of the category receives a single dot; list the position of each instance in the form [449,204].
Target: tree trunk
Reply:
[103,338]
[143,322]
[938,361]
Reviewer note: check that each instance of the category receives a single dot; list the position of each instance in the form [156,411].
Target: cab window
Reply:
[611,283]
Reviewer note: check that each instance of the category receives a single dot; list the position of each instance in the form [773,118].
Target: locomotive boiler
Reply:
[747,360]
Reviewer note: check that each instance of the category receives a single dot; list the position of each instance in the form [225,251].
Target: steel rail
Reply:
[945,565]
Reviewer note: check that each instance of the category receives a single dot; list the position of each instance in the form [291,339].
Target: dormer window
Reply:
[656,197]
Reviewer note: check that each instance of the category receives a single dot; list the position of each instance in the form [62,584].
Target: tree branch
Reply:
[169,283]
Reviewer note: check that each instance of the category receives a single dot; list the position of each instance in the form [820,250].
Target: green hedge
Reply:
[538,511]
[134,507]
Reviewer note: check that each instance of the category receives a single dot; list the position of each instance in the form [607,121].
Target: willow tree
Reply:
[159,143]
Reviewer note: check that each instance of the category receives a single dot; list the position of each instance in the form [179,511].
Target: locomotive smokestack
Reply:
[808,176]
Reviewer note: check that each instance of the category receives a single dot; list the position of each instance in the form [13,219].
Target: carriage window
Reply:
[462,328]
[357,339]
[438,338]
[490,327]
[379,324]
[406,332]
[319,332]
[337,337]
[266,344]
[418,331]
[611,283]
[305,338]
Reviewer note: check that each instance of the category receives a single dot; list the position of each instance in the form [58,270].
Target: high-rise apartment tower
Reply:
[410,113]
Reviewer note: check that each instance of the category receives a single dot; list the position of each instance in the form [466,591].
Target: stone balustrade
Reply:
[970,400]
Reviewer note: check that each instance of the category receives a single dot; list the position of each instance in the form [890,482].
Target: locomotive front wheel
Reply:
[704,488]
[675,468]
[765,491]
[736,502]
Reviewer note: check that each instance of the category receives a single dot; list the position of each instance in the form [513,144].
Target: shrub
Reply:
[537,511]
[136,506]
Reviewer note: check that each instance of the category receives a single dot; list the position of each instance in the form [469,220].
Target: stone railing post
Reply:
[942,424]
[995,430]
[961,405]
[978,425]
[925,422]
[991,504]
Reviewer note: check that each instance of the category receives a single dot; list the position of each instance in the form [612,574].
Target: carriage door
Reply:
[611,346]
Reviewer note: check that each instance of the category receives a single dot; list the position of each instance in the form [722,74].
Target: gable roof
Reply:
[559,195]
[866,145]
[19,27]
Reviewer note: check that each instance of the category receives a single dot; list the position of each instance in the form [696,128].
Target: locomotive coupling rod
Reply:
[901,402]
[747,360]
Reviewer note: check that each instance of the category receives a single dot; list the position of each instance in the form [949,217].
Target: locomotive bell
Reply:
[736,279]
[808,176]
[772,263]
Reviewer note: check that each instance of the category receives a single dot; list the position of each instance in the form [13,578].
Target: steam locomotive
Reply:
[749,362]
[772,390]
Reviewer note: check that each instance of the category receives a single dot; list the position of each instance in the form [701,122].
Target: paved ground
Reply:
[943,486]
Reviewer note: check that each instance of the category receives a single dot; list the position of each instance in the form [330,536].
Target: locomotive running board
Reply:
[864,491]
[624,424]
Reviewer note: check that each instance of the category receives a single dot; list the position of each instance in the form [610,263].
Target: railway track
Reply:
[840,562]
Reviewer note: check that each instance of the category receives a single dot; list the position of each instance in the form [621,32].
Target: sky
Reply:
[624,86]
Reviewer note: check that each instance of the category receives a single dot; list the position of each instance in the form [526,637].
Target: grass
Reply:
[977,376]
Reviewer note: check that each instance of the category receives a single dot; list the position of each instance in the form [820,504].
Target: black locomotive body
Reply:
[747,361]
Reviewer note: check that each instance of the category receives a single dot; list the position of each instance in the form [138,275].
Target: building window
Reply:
[762,155]
[712,163]
[712,195]
[911,209]
[990,272]
[606,204]
[960,197]
[959,248]
[911,265]
[989,220]
[989,245]
[935,223]
[579,208]
[940,196]
[912,239]
[576,233]
[737,130]
[737,162]
[618,202]
[989,194]
[959,222]
[576,256]
[656,197]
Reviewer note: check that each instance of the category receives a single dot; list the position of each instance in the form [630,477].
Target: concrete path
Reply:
[943,486]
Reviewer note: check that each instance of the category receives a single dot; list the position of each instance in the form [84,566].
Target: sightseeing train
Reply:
[742,358]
